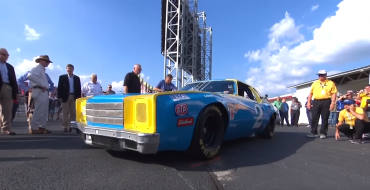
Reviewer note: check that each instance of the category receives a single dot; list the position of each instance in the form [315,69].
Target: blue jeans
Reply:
[333,118]
[309,117]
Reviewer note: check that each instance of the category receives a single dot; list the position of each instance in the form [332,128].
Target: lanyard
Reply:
[349,116]
[322,85]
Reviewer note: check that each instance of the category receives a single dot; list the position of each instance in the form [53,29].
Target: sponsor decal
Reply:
[232,113]
[208,96]
[217,109]
[259,116]
[187,121]
[181,109]
[178,97]
[207,153]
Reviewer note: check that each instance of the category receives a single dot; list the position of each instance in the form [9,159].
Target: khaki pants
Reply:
[41,112]
[6,103]
[69,111]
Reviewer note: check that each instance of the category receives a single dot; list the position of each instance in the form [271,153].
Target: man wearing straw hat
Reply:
[40,96]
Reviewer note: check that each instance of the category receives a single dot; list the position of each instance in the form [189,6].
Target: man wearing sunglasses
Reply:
[109,91]
[324,93]
[8,91]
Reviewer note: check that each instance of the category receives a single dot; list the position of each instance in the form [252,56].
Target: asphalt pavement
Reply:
[290,161]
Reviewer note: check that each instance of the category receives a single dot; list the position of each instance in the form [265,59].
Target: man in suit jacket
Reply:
[8,91]
[69,89]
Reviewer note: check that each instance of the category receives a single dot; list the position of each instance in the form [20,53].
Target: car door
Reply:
[264,112]
[253,114]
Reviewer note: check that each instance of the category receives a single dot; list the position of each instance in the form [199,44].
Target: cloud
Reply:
[312,27]
[146,79]
[117,86]
[54,71]
[26,65]
[18,49]
[31,33]
[287,57]
[86,78]
[314,7]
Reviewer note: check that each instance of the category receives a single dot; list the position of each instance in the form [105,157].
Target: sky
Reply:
[269,44]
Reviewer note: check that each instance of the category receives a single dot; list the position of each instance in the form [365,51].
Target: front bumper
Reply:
[119,139]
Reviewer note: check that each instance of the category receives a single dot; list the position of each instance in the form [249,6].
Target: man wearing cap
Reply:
[324,95]
[40,95]
[8,91]
[356,122]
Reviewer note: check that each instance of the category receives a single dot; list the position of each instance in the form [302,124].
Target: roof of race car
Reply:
[221,80]
[236,80]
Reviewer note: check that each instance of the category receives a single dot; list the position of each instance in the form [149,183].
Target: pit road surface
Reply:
[289,161]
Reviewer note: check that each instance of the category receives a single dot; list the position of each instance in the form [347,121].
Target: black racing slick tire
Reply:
[208,133]
[269,131]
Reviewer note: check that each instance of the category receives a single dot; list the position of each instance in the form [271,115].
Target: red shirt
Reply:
[15,102]
[358,103]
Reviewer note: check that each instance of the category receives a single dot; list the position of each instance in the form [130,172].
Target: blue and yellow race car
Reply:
[197,118]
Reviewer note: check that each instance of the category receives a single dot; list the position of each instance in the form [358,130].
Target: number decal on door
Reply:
[259,112]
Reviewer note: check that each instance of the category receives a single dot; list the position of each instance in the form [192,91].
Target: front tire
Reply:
[208,133]
[269,131]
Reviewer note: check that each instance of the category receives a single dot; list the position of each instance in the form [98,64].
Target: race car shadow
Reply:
[234,154]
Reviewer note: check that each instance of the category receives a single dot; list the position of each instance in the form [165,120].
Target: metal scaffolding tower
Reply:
[186,42]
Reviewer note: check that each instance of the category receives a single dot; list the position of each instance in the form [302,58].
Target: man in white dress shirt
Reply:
[40,95]
[92,88]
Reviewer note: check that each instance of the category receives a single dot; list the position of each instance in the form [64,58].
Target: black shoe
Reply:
[357,141]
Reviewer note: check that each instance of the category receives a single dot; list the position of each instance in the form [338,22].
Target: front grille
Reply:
[104,106]
[106,142]
[105,113]
[105,120]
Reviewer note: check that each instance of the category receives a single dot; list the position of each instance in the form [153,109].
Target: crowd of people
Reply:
[349,113]
[43,100]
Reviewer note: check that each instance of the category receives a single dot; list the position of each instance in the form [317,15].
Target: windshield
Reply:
[211,86]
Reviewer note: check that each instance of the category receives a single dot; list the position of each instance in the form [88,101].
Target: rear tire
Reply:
[269,131]
[208,133]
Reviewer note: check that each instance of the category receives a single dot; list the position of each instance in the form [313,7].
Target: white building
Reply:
[355,80]
[287,97]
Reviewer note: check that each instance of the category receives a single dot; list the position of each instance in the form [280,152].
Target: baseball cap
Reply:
[322,72]
[348,102]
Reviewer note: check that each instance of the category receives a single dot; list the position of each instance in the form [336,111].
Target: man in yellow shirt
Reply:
[356,122]
[364,96]
[324,93]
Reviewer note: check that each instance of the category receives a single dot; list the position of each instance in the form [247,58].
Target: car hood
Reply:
[111,98]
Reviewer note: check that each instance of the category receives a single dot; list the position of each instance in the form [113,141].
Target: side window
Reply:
[256,94]
[244,91]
